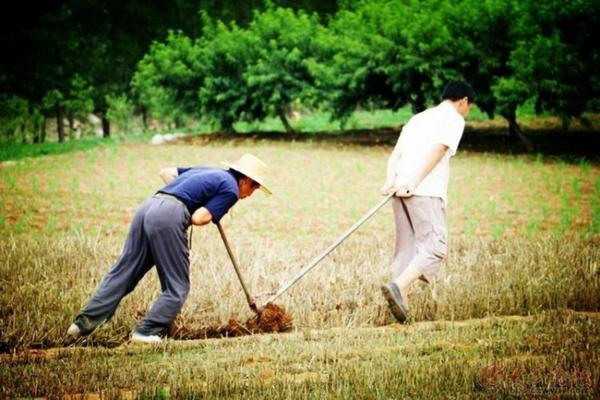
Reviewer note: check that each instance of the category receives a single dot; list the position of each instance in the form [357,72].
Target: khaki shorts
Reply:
[420,235]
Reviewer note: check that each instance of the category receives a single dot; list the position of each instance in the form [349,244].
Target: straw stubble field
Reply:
[523,233]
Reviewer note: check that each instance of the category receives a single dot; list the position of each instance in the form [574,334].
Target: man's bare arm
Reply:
[201,216]
[168,174]
[433,157]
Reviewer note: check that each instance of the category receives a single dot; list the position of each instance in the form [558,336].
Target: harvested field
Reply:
[515,302]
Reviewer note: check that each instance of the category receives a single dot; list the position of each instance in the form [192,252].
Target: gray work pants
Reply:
[157,237]
[420,235]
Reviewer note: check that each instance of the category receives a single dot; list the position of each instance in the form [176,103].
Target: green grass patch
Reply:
[14,151]
[20,151]
[316,121]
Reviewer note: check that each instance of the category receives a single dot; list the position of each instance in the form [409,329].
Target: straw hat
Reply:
[252,167]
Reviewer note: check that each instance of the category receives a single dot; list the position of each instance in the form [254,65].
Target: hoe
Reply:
[273,318]
[249,299]
[324,254]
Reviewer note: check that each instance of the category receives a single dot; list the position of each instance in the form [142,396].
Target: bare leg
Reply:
[405,279]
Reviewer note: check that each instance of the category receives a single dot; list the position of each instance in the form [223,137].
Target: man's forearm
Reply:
[431,160]
[405,186]
[201,217]
[168,174]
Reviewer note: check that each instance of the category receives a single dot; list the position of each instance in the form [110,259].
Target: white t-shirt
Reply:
[438,125]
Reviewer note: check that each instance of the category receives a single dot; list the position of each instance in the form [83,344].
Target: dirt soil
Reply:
[270,318]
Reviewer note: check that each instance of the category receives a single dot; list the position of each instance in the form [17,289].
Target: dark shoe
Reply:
[82,326]
[391,292]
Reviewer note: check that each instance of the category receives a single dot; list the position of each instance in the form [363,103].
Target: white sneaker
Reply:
[139,338]
[74,331]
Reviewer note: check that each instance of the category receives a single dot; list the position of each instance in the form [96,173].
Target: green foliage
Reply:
[21,151]
[120,110]
[371,54]
[422,53]
[28,117]
[53,99]
[483,36]
[14,114]
[319,122]
[277,73]
[510,94]
[253,73]
[556,61]
[168,78]
[79,101]
[347,60]
[383,54]
[224,96]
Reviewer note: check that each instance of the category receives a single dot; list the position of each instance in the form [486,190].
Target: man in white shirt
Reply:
[417,172]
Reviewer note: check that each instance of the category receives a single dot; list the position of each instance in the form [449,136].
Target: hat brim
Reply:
[249,175]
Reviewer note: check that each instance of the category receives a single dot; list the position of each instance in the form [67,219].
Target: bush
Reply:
[120,111]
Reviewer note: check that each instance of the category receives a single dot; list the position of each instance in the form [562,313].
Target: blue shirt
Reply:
[215,189]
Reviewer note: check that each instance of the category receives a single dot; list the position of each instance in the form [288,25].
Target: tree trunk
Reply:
[23,133]
[227,126]
[10,134]
[285,122]
[145,118]
[105,127]
[60,126]
[43,131]
[71,120]
[515,132]
[418,105]
[37,132]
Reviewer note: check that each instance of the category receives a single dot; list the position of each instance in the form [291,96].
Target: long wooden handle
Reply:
[251,302]
[321,256]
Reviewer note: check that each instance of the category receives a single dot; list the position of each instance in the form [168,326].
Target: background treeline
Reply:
[181,61]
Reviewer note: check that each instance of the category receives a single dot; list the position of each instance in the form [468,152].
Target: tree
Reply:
[120,111]
[277,74]
[224,96]
[347,60]
[168,78]
[53,102]
[419,63]
[14,115]
[383,54]
[45,46]
[126,31]
[558,63]
[485,33]
[78,103]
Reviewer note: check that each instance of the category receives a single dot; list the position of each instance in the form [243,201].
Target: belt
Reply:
[170,196]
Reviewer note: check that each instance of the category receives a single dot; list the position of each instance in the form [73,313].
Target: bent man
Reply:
[417,173]
[158,237]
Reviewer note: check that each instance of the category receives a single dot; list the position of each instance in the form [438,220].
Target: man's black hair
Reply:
[237,174]
[456,90]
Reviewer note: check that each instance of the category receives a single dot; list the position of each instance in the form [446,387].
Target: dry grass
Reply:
[481,278]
